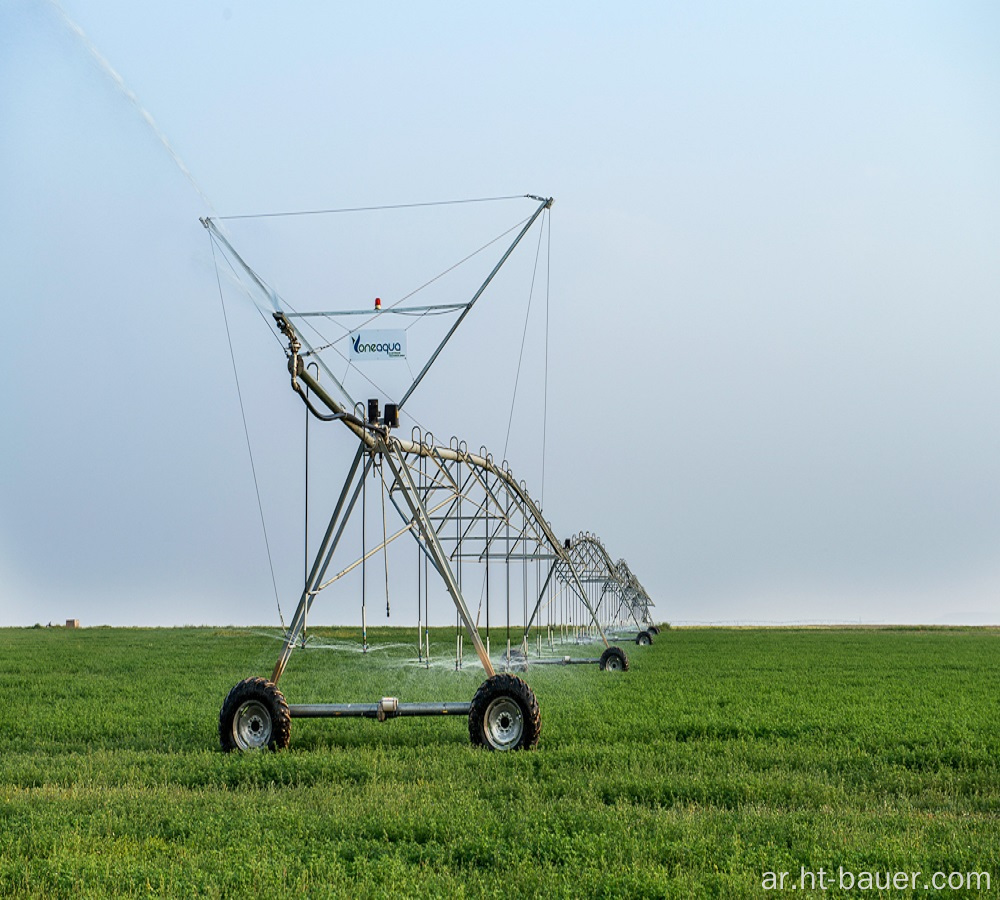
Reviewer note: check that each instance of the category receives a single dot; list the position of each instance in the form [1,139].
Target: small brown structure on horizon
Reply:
[72,623]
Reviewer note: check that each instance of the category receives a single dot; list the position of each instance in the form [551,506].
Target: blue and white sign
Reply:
[371,345]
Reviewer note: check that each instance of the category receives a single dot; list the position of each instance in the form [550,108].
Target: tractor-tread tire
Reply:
[644,639]
[261,691]
[505,686]
[619,657]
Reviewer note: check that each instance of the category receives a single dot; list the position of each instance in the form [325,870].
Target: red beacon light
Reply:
[378,303]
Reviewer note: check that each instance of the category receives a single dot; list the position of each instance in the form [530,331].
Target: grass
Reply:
[722,755]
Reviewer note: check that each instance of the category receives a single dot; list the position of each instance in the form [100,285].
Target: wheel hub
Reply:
[504,723]
[252,726]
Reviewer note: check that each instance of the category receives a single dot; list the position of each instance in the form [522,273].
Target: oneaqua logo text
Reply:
[395,347]
[378,345]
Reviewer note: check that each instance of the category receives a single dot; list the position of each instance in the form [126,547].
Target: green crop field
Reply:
[724,755]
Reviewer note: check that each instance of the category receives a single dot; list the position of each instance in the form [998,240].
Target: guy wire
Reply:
[246,432]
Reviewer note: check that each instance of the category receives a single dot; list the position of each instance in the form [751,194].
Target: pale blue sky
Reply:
[774,297]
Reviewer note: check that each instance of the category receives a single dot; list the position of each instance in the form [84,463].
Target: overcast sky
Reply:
[773,295]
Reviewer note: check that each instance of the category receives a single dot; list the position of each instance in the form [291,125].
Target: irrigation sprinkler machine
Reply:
[460,508]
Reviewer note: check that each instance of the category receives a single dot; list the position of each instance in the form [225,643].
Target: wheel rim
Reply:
[644,640]
[614,664]
[252,725]
[504,723]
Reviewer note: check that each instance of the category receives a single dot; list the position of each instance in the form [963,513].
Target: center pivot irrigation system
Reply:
[459,507]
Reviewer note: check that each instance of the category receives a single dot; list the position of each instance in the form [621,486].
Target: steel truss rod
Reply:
[593,560]
[511,497]
[272,296]
[381,545]
[544,204]
[634,596]
[541,595]
[402,474]
[389,310]
[324,555]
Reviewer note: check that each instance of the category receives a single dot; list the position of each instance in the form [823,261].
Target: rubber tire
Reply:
[616,654]
[644,639]
[263,692]
[653,630]
[505,686]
